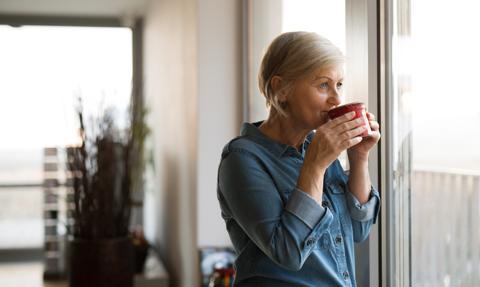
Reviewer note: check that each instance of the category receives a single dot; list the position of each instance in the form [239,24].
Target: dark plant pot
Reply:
[101,263]
[141,253]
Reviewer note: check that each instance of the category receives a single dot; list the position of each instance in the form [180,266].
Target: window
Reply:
[44,70]
[445,200]
[435,192]
[296,15]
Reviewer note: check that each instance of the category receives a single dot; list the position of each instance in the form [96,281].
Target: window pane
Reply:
[43,71]
[445,156]
[311,15]
[21,223]
[296,15]
[398,222]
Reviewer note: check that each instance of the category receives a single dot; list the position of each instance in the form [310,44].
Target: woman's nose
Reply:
[334,98]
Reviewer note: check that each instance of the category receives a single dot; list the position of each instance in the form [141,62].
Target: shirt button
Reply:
[325,204]
[338,239]
[345,275]
[309,242]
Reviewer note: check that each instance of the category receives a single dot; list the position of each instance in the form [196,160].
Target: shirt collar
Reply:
[251,130]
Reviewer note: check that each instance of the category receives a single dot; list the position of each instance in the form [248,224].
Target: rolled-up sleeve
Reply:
[286,233]
[305,208]
[363,215]
[363,212]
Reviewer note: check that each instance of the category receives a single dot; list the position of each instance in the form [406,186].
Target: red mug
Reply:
[360,112]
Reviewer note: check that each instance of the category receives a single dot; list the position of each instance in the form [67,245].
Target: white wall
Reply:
[219,106]
[170,47]
[193,89]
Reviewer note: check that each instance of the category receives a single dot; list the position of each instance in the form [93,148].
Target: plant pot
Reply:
[101,263]
[141,252]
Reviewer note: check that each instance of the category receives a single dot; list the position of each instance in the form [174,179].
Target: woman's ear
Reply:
[277,87]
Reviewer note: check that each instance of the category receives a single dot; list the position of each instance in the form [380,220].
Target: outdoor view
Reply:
[44,71]
[435,65]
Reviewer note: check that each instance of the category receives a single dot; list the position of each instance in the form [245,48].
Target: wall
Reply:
[193,89]
[170,67]
[219,106]
[192,86]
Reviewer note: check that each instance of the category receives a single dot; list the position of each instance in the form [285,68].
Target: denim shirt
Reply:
[281,235]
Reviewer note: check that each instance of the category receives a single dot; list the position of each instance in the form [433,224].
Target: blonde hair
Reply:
[291,56]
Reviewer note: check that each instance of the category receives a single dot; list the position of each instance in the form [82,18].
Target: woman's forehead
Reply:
[333,72]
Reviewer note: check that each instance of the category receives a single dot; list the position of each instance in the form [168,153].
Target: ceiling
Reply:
[110,8]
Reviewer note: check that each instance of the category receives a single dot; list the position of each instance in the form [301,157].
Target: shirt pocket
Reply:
[337,187]
[324,242]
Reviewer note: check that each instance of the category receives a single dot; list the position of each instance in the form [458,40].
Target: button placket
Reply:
[310,241]
[338,239]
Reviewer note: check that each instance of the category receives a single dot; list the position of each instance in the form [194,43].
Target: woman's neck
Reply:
[283,130]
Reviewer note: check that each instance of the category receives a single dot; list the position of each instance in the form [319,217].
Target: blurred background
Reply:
[192,64]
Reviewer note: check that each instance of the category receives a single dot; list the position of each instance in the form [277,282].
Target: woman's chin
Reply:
[322,118]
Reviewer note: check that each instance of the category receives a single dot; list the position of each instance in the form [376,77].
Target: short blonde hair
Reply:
[291,56]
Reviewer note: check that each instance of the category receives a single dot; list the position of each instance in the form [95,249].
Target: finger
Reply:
[353,133]
[370,116]
[341,119]
[346,126]
[374,125]
[374,136]
[351,142]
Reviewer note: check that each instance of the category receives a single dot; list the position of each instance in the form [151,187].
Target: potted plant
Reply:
[104,169]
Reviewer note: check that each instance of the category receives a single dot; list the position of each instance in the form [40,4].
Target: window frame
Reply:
[135,24]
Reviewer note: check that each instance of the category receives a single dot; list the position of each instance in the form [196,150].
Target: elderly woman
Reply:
[291,211]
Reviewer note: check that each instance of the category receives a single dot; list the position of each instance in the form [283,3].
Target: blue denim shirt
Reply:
[281,235]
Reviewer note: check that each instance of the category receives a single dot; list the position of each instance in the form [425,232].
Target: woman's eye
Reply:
[323,85]
[339,85]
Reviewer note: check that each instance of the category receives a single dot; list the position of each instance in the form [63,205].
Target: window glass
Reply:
[436,159]
[296,15]
[445,144]
[43,72]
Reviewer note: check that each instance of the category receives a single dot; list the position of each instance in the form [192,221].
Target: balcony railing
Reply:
[445,228]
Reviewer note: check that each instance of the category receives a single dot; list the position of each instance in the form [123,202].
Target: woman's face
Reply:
[312,96]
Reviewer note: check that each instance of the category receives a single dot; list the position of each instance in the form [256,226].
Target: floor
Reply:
[24,274]
[30,274]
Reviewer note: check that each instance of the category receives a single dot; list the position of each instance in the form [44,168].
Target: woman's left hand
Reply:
[362,149]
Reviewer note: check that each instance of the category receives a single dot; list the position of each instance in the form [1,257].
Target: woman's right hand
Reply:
[329,141]
[332,138]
